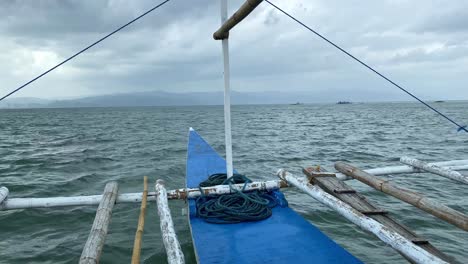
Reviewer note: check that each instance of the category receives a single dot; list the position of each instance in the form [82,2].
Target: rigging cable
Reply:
[85,49]
[460,127]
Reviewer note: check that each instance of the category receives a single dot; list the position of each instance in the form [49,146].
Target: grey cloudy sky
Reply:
[421,44]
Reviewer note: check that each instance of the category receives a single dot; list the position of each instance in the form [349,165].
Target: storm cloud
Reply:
[423,45]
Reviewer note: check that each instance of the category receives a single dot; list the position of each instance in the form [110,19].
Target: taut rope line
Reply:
[83,50]
[460,127]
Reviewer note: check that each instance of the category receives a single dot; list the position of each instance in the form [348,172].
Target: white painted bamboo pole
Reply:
[93,247]
[227,95]
[3,193]
[451,174]
[225,189]
[430,206]
[451,162]
[395,240]
[185,193]
[406,169]
[172,245]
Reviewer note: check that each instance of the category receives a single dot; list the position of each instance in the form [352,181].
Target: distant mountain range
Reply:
[199,98]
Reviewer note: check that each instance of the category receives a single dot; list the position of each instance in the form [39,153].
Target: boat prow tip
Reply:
[191,129]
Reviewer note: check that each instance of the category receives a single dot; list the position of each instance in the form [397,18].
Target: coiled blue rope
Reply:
[235,207]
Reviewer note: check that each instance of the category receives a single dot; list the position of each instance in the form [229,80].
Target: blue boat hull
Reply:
[285,237]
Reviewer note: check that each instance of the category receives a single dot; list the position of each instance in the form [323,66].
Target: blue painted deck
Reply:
[285,237]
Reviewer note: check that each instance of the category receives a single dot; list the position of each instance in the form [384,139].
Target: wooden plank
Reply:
[393,239]
[429,205]
[447,173]
[360,203]
[171,243]
[136,255]
[3,193]
[93,247]
[238,16]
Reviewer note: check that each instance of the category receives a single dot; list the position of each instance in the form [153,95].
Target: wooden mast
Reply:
[223,34]
[227,95]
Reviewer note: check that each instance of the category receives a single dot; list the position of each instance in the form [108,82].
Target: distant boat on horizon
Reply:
[344,102]
[297,103]
[439,101]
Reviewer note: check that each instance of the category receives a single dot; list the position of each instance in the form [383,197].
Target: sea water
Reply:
[67,152]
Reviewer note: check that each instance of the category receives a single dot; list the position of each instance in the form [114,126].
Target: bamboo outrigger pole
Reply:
[395,240]
[184,193]
[449,165]
[93,247]
[447,173]
[436,209]
[141,224]
[171,243]
[3,193]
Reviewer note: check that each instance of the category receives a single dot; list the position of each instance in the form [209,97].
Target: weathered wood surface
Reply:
[238,16]
[3,193]
[136,255]
[345,193]
[433,207]
[395,240]
[24,203]
[447,173]
[93,247]
[171,243]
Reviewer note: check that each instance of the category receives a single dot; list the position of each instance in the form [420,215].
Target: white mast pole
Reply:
[227,95]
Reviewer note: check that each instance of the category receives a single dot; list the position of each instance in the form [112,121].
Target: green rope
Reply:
[235,207]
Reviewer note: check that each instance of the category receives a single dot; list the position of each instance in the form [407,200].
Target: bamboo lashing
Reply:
[238,16]
[3,193]
[141,224]
[184,193]
[447,173]
[93,247]
[395,240]
[171,243]
[430,206]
